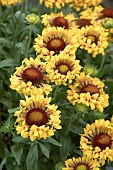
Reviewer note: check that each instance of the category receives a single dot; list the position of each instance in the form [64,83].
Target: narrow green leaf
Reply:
[8,63]
[20,139]
[45,148]
[17,151]
[32,156]
[53,141]
[13,110]
[78,130]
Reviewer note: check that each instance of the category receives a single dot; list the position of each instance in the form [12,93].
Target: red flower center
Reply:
[83,22]
[107,12]
[56,45]
[32,74]
[93,38]
[60,22]
[63,67]
[36,116]
[89,88]
[81,166]
[102,140]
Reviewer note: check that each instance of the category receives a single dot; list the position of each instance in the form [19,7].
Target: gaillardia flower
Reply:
[82,22]
[37,118]
[10,2]
[30,78]
[88,91]
[84,4]
[32,18]
[58,3]
[94,40]
[55,41]
[59,20]
[97,141]
[81,163]
[62,69]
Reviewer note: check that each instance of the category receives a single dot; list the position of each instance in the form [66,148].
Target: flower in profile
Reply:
[62,69]
[58,3]
[94,39]
[84,4]
[32,18]
[88,91]
[37,118]
[55,40]
[97,141]
[90,69]
[107,23]
[9,2]
[30,78]
[81,163]
[59,20]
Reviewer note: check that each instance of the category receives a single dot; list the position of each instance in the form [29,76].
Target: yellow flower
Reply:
[55,41]
[82,22]
[59,20]
[37,118]
[94,39]
[10,2]
[110,36]
[81,163]
[59,3]
[62,69]
[97,141]
[32,18]
[84,4]
[88,91]
[30,77]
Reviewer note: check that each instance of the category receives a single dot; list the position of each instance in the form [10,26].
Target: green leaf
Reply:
[8,63]
[3,163]
[14,110]
[20,139]
[78,130]
[64,150]
[53,141]
[32,156]
[45,148]
[17,151]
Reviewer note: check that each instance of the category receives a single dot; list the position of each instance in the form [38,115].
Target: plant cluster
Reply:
[56,84]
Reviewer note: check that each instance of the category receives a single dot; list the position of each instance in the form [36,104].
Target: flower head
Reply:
[81,163]
[88,91]
[94,39]
[59,20]
[32,18]
[37,118]
[97,141]
[62,69]
[30,78]
[9,2]
[55,41]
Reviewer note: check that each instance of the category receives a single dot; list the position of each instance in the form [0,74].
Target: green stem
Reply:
[102,62]
[26,5]
[87,59]
[56,91]
[29,41]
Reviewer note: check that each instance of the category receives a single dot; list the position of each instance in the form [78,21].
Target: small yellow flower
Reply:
[37,118]
[58,20]
[81,163]
[62,69]
[94,39]
[30,78]
[97,141]
[56,40]
[10,2]
[32,18]
[88,91]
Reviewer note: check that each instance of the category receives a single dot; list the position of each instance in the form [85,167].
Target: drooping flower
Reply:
[88,91]
[97,141]
[94,39]
[58,3]
[30,78]
[62,69]
[9,2]
[81,163]
[84,4]
[32,18]
[55,41]
[59,20]
[37,118]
